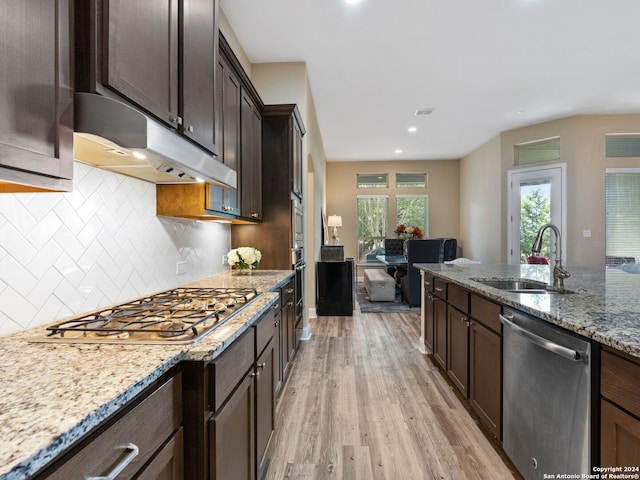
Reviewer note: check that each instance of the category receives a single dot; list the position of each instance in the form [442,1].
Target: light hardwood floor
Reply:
[363,403]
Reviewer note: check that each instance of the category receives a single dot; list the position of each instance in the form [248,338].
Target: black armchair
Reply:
[433,250]
[393,246]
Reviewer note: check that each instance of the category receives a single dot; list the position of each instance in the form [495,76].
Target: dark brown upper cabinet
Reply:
[251,168]
[199,44]
[36,96]
[238,130]
[159,55]
[239,124]
[227,201]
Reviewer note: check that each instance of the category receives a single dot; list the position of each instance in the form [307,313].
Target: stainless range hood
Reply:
[111,135]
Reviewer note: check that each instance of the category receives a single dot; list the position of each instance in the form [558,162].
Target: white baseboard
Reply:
[306,333]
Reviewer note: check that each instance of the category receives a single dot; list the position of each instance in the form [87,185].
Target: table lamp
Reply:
[334,221]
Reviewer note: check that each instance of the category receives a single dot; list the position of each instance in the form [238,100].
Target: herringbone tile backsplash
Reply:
[63,254]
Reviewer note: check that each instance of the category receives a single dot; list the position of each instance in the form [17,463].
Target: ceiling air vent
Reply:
[421,112]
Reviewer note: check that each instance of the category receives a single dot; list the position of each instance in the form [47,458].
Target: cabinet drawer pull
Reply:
[438,289]
[289,291]
[261,365]
[124,463]
[190,128]
[255,215]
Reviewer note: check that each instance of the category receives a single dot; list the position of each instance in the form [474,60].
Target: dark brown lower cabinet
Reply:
[152,426]
[620,437]
[230,405]
[231,436]
[620,409]
[463,331]
[288,320]
[440,332]
[265,402]
[429,305]
[168,464]
[485,376]
[458,349]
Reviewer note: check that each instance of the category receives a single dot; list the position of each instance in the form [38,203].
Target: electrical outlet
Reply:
[224,259]
[181,268]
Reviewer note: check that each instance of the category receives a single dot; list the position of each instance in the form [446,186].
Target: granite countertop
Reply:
[53,394]
[604,307]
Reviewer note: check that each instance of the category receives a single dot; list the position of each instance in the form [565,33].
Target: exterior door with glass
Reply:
[536,197]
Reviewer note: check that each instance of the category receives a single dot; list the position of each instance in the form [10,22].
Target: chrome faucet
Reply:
[559,273]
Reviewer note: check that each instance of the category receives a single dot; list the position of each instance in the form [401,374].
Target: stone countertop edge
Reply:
[52,395]
[605,306]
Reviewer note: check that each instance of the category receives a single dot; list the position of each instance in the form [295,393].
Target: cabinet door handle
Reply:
[255,215]
[124,463]
[261,366]
[276,324]
[289,291]
[276,306]
[190,128]
[438,289]
[290,304]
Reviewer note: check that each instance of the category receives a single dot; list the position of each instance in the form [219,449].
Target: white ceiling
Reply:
[485,66]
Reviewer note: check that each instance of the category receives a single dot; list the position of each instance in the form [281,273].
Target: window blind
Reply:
[622,145]
[537,151]
[622,216]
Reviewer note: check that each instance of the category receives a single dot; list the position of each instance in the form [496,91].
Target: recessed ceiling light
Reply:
[398,150]
[412,129]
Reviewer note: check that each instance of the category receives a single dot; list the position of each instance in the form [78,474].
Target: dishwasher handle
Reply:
[564,352]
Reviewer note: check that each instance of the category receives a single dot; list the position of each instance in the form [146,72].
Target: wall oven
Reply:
[297,223]
[297,260]
[299,267]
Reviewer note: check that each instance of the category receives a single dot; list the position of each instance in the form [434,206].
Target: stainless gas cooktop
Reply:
[178,316]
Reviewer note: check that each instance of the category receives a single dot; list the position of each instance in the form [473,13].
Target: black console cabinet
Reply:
[334,288]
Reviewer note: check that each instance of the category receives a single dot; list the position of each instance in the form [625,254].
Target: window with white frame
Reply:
[373,225]
[411,180]
[413,211]
[543,150]
[622,192]
[373,180]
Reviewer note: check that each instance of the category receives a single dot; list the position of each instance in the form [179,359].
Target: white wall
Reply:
[480,203]
[63,254]
[284,83]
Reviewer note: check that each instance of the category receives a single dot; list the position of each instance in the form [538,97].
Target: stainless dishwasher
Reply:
[546,397]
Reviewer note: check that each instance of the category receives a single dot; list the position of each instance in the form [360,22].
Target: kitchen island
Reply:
[51,395]
[516,348]
[605,305]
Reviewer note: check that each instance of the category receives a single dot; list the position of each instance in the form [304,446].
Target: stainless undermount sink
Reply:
[520,285]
